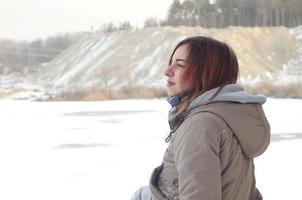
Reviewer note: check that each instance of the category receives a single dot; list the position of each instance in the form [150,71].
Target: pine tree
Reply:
[222,13]
[175,14]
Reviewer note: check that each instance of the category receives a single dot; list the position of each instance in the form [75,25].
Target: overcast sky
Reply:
[33,19]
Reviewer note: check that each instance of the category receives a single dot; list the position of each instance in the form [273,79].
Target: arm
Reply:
[197,159]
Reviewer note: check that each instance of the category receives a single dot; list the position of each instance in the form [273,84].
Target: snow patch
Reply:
[69,150]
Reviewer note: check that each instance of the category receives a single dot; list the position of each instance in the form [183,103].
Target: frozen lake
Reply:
[106,150]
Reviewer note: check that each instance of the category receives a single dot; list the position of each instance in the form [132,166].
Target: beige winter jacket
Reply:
[211,151]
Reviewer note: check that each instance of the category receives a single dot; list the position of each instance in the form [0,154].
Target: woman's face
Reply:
[175,71]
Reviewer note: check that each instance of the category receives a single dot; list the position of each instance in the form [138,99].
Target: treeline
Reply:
[14,55]
[223,13]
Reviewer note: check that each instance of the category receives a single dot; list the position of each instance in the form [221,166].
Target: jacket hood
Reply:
[243,114]
[229,93]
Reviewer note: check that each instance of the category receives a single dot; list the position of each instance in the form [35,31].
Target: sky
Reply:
[35,19]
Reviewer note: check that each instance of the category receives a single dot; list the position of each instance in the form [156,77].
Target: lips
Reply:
[170,83]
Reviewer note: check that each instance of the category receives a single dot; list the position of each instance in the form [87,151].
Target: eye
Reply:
[179,65]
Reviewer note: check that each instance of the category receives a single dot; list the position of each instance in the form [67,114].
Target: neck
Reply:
[176,99]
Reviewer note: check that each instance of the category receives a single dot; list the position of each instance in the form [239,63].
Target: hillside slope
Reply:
[129,58]
[138,57]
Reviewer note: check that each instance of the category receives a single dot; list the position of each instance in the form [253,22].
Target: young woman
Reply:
[216,128]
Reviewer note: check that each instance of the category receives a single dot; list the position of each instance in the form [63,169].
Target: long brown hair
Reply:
[210,64]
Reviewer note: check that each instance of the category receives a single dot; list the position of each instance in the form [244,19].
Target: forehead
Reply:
[181,52]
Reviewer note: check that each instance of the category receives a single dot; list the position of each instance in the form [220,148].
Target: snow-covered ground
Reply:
[106,150]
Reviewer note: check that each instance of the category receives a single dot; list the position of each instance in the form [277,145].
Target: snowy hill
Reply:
[138,57]
[293,68]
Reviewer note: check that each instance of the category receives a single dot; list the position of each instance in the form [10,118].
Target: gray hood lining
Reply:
[229,93]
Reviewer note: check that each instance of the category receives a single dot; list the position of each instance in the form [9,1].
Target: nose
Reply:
[169,71]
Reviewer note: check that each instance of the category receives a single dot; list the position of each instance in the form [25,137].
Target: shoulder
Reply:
[202,127]
[205,119]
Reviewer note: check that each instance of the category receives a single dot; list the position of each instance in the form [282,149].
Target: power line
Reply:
[26,54]
[35,48]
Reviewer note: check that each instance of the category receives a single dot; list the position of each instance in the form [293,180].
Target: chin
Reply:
[172,93]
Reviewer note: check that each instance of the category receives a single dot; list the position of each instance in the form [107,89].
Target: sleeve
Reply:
[197,160]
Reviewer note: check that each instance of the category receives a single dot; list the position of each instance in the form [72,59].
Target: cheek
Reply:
[187,84]
[180,75]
